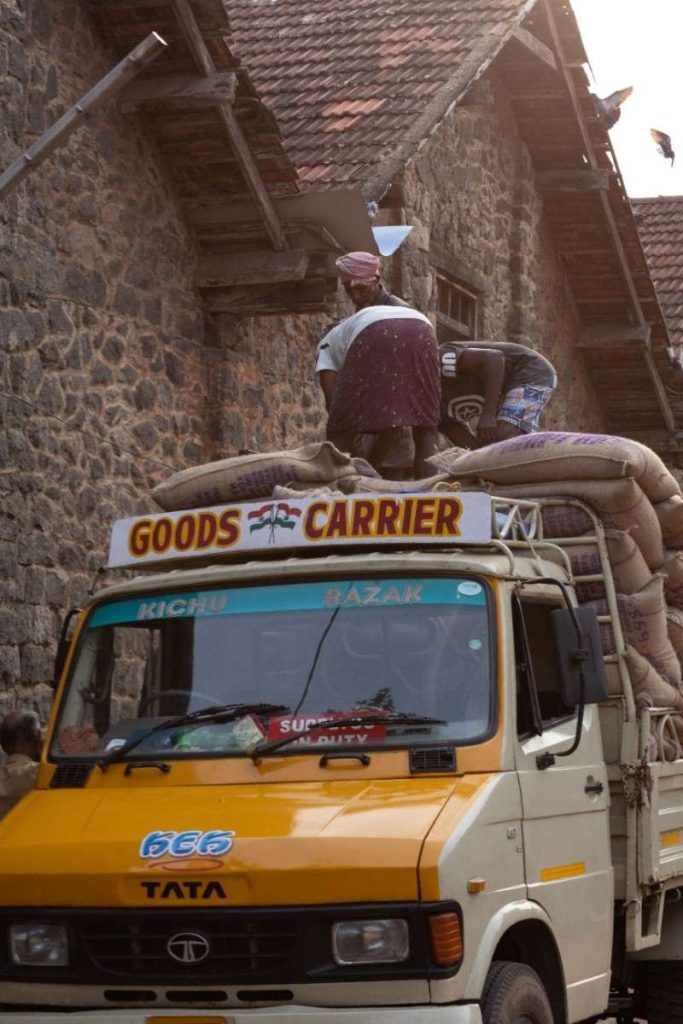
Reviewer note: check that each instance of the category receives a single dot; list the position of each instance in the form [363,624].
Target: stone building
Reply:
[164,275]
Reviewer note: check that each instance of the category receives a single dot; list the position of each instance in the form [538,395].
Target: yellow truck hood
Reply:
[297,843]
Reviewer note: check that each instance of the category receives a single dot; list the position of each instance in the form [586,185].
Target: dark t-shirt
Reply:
[522,365]
[462,395]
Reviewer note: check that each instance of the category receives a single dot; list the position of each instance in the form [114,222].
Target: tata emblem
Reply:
[188,947]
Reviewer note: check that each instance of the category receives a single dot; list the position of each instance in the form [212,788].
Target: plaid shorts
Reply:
[523,406]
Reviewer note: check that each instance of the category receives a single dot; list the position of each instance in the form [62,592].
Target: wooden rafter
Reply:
[307,296]
[186,89]
[600,336]
[573,180]
[535,46]
[223,270]
[203,59]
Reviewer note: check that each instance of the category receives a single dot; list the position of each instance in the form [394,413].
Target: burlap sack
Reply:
[553,456]
[650,690]
[674,627]
[629,568]
[368,485]
[672,570]
[644,624]
[621,504]
[614,684]
[670,516]
[252,476]
[565,521]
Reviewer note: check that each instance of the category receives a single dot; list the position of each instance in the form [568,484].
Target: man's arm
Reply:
[328,383]
[489,365]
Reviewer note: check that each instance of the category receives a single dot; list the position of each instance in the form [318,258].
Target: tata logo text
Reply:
[186,844]
[188,947]
[191,890]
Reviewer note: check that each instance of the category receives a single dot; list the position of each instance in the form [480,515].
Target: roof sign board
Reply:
[421,518]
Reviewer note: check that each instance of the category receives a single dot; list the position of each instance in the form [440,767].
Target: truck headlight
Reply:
[39,945]
[370,942]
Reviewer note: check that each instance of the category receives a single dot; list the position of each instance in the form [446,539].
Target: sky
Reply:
[638,43]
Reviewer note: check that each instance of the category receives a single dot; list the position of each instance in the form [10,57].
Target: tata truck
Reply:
[344,759]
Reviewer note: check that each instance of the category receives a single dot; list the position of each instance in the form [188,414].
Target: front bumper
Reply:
[467,1014]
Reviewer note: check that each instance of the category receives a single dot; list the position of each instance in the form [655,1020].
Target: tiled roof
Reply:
[354,85]
[660,224]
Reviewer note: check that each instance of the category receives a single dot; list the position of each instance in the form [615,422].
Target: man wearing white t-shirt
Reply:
[379,372]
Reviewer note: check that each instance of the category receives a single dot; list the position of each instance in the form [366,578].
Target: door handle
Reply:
[593,787]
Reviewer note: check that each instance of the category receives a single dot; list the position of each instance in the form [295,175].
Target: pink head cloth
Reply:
[358,266]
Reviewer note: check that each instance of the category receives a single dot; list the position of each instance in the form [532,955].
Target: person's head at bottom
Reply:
[360,276]
[20,733]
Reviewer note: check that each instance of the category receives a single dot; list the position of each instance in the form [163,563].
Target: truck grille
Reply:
[234,947]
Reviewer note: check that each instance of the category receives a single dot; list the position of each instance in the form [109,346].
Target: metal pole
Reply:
[137,59]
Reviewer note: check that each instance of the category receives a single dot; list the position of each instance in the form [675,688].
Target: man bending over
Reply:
[515,384]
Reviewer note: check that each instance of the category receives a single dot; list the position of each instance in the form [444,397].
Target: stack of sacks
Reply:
[641,507]
[300,472]
[249,477]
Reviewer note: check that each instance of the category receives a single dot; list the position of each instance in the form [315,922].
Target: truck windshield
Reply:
[318,651]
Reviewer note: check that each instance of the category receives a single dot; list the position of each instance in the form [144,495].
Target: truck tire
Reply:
[514,994]
[664,993]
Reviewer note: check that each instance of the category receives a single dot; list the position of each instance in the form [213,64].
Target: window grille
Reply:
[456,310]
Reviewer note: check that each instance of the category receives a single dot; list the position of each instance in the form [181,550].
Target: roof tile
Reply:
[660,224]
[368,69]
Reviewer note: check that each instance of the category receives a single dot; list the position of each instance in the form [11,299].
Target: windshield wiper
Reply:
[263,749]
[214,713]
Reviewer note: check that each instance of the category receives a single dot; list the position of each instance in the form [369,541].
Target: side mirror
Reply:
[579,652]
[63,646]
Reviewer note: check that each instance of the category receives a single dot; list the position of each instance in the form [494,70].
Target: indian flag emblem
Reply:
[277,513]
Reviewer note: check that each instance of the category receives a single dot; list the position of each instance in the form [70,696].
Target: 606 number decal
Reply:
[186,844]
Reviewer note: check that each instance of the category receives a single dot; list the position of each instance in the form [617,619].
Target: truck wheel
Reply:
[514,994]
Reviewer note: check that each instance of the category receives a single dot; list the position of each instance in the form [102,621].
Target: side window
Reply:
[456,310]
[539,685]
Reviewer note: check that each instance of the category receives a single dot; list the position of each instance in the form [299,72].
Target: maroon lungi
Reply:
[390,378]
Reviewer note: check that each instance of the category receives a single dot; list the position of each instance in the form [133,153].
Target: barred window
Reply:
[456,310]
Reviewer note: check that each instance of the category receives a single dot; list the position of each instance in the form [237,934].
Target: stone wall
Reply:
[108,379]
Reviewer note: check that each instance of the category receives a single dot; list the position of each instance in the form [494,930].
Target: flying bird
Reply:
[663,144]
[609,108]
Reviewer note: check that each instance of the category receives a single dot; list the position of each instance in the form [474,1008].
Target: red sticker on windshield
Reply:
[288,725]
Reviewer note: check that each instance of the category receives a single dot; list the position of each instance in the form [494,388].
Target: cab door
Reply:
[565,807]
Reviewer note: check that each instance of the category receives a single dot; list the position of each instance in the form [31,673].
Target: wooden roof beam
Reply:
[191,90]
[307,296]
[538,96]
[602,336]
[589,180]
[224,270]
[535,46]
[248,166]
[656,380]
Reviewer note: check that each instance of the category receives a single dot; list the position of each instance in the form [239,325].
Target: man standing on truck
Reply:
[21,739]
[400,459]
[515,384]
[379,370]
